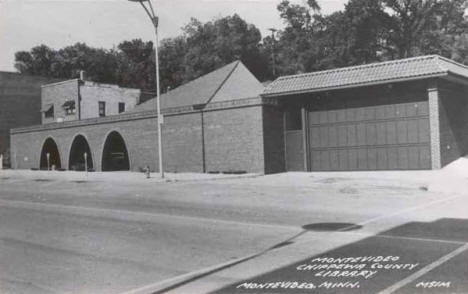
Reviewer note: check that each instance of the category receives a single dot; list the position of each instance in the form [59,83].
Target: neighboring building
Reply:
[20,105]
[402,114]
[78,99]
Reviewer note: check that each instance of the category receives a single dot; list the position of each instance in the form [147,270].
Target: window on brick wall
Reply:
[121,107]
[102,108]
[69,107]
[48,111]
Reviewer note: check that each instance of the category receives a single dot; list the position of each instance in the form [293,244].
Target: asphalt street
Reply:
[62,236]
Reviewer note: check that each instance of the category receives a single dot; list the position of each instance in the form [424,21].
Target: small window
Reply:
[69,107]
[49,112]
[293,120]
[102,108]
[121,107]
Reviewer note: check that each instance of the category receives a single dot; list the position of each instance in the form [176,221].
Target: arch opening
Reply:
[115,154]
[50,147]
[78,161]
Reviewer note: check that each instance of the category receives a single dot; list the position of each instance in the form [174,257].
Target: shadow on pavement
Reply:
[329,227]
[416,257]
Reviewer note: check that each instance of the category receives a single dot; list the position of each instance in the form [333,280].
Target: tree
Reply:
[172,53]
[220,42]
[136,65]
[420,27]
[37,62]
[202,48]
[296,40]
[368,31]
[66,63]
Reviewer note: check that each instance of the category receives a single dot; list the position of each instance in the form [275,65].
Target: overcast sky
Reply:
[105,23]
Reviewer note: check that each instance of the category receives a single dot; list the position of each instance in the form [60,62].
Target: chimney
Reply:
[82,75]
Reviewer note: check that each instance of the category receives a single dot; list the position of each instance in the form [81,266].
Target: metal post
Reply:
[158,103]
[86,163]
[48,161]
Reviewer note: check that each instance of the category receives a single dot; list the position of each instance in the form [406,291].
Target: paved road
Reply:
[60,236]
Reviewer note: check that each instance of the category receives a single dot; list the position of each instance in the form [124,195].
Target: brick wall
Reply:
[453,121]
[233,141]
[57,94]
[182,143]
[92,93]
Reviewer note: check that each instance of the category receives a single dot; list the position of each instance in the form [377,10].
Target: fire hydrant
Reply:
[147,171]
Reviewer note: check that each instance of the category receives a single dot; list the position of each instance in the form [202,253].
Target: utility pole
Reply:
[273,31]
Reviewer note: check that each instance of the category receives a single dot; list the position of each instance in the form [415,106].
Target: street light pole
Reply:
[155,20]
[273,31]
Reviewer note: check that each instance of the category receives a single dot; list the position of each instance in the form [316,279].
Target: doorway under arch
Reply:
[78,160]
[115,154]
[50,147]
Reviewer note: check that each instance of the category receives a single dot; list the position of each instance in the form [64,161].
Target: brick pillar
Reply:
[433,96]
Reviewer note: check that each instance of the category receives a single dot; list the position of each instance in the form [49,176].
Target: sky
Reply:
[105,23]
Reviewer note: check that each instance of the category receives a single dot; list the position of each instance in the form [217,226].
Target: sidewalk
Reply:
[119,176]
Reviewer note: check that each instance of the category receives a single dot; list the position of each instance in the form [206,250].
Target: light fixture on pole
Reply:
[155,20]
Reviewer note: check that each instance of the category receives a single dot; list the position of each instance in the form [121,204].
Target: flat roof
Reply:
[420,67]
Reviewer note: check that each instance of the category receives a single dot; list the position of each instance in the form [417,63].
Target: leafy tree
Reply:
[368,31]
[219,42]
[202,48]
[296,41]
[172,62]
[136,65]
[37,62]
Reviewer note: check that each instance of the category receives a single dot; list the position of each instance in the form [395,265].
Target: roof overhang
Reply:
[388,72]
[359,85]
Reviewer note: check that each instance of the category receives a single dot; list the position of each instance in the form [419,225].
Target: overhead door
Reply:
[369,134]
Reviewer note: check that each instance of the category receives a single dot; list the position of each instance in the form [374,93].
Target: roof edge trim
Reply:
[380,82]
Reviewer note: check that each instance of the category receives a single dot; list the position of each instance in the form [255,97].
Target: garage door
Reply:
[369,134]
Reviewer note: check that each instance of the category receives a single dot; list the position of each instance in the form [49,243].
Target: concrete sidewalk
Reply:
[119,176]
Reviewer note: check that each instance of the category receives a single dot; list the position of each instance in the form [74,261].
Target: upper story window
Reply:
[69,107]
[48,111]
[102,108]
[121,107]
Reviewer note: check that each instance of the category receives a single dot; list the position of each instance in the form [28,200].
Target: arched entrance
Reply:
[115,155]
[50,147]
[79,148]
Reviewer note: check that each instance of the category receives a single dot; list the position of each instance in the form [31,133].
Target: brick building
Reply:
[403,114]
[80,99]
[20,104]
